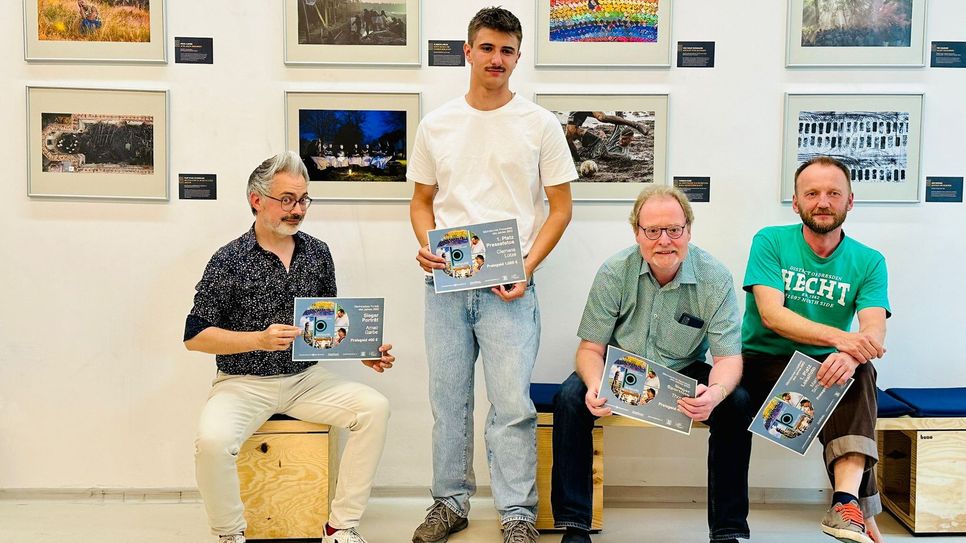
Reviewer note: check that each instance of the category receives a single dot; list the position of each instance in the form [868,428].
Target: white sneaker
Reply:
[233,538]
[349,535]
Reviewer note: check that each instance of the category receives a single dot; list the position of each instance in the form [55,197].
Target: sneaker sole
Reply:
[847,536]
[458,527]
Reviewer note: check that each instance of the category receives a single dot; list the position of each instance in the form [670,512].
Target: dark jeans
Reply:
[729,452]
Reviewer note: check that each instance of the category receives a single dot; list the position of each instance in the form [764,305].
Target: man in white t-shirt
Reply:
[489,155]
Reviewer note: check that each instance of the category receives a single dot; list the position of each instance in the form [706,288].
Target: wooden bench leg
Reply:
[544,465]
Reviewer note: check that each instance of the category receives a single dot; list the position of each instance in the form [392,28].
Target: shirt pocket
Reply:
[677,340]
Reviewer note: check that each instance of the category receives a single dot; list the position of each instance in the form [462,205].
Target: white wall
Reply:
[96,389]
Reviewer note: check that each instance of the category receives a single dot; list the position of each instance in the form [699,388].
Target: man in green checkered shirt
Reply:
[672,303]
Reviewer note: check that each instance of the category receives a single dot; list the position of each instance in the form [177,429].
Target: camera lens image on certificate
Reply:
[798,405]
[642,390]
[338,328]
[477,256]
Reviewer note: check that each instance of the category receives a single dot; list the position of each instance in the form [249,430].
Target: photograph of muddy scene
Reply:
[610,146]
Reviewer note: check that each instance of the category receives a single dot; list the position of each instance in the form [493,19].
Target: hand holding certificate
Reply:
[642,390]
[338,329]
[477,256]
[797,406]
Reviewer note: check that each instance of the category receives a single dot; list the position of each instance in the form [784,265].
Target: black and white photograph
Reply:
[876,136]
[97,143]
[618,142]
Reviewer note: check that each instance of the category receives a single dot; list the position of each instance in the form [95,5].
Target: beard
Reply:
[808,218]
[286,229]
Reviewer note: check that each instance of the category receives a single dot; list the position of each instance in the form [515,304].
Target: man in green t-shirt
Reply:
[805,284]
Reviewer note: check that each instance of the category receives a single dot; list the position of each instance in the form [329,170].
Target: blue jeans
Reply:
[461,326]
[729,451]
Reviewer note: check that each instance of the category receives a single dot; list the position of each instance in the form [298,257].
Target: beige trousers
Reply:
[238,404]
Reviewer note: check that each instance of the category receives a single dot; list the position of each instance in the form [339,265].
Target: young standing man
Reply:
[486,156]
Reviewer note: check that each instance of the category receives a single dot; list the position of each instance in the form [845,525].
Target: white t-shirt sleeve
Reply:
[556,163]
[421,167]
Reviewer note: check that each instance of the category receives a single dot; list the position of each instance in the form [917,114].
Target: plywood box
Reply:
[921,476]
[286,471]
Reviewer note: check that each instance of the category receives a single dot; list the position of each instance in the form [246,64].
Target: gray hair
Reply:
[260,181]
[661,191]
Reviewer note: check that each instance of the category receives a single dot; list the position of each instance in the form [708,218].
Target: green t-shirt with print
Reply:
[825,290]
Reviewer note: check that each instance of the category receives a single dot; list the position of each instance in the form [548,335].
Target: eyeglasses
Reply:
[654,232]
[288,202]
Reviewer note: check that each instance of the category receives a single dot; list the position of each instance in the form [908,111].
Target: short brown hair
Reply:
[659,191]
[495,18]
[823,160]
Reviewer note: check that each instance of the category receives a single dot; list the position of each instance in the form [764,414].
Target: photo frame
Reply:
[129,31]
[876,135]
[350,33]
[355,145]
[582,33]
[97,143]
[618,141]
[830,34]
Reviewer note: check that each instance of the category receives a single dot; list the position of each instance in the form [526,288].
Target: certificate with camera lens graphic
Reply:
[477,256]
[639,389]
[797,406]
[338,328]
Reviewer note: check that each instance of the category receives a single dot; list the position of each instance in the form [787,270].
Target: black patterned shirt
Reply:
[246,288]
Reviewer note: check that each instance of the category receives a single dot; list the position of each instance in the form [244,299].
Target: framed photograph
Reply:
[94,30]
[876,135]
[97,143]
[352,32]
[618,141]
[355,145]
[603,33]
[856,33]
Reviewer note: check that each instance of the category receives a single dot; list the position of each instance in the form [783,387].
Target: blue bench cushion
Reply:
[933,402]
[890,406]
[542,395]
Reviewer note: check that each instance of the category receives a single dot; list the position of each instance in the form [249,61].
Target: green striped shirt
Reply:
[628,309]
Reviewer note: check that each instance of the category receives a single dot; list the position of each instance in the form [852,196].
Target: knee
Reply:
[570,397]
[216,445]
[737,408]
[376,409]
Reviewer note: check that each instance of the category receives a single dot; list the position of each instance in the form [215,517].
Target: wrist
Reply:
[722,391]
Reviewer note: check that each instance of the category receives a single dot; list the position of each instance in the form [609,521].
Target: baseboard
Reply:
[614,496]
[103,495]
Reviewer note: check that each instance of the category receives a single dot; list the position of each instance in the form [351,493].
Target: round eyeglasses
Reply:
[654,232]
[288,202]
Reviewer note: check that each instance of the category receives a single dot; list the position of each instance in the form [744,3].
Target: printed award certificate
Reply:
[637,388]
[478,256]
[338,328]
[797,406]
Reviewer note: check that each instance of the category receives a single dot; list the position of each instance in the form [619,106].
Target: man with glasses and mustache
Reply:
[805,283]
[672,303]
[242,313]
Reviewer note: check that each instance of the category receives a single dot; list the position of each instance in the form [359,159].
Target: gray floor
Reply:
[391,520]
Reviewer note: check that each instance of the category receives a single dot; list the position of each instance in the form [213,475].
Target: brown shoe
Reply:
[520,531]
[440,522]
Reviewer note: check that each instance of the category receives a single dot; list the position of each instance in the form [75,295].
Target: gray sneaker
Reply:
[846,523]
[520,531]
[233,538]
[440,522]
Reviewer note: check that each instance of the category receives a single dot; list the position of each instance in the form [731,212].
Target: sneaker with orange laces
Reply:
[846,523]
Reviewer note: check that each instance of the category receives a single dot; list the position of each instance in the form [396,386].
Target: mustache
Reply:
[293,216]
